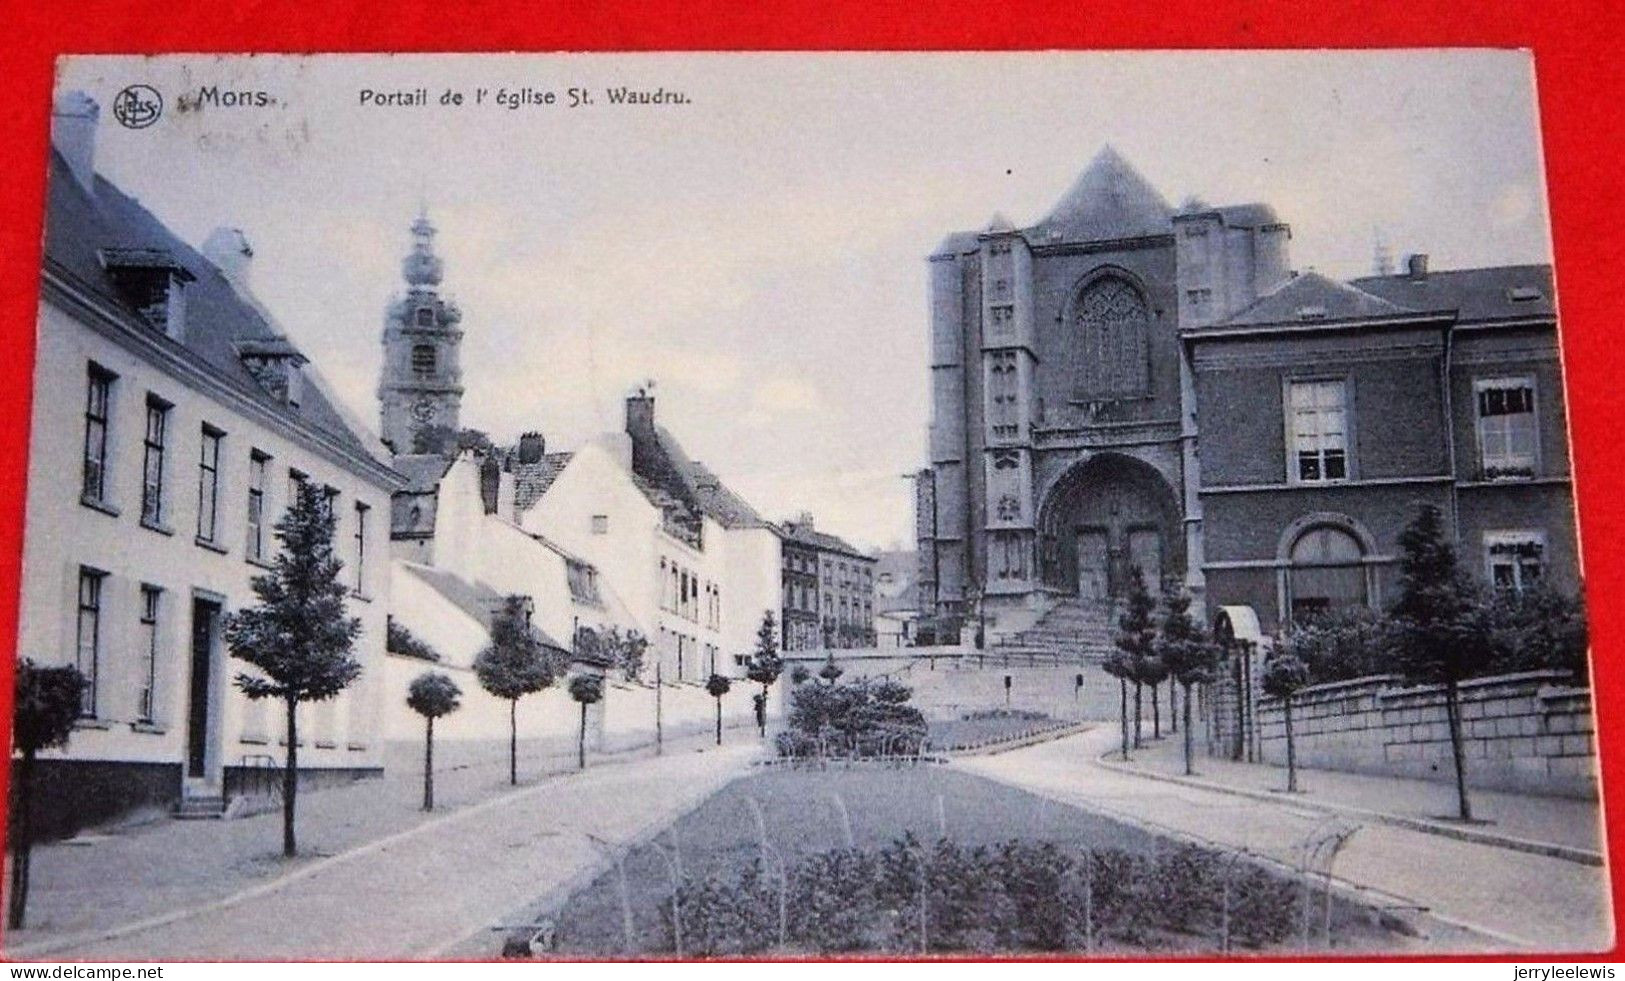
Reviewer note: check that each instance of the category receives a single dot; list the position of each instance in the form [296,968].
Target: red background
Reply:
[1579,69]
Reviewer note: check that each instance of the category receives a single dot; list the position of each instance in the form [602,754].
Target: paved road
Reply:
[441,881]
[1518,900]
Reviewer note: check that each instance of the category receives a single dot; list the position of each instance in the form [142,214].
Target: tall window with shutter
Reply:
[98,400]
[152,462]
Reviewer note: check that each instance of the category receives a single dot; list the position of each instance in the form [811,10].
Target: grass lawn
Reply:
[801,812]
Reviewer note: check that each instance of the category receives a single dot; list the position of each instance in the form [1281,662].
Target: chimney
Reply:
[229,251]
[531,447]
[1416,265]
[640,414]
[73,133]
[804,520]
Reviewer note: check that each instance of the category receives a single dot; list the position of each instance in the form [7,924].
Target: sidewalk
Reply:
[1505,899]
[1521,821]
[86,888]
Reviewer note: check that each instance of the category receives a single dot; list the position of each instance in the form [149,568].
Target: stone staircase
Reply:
[1073,628]
[200,808]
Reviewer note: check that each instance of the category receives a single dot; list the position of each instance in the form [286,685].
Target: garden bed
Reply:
[977,730]
[1002,871]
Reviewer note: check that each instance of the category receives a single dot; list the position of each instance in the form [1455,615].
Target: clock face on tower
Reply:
[423,410]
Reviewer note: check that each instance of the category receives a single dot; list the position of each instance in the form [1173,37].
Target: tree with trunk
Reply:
[1284,674]
[47,705]
[1118,665]
[585,689]
[516,663]
[1191,656]
[1440,626]
[431,695]
[1137,640]
[718,686]
[298,636]
[765,665]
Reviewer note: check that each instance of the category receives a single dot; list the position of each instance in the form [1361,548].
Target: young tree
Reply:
[431,695]
[1284,674]
[47,704]
[585,689]
[513,665]
[298,636]
[718,686]
[1154,671]
[1117,665]
[1137,639]
[765,665]
[1190,656]
[1439,625]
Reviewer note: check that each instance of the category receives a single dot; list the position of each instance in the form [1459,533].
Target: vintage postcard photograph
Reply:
[1085,505]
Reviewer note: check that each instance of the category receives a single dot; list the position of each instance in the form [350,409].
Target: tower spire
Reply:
[420,393]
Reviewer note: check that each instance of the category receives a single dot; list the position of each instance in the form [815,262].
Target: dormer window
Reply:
[275,364]
[153,283]
[1312,313]
[1523,294]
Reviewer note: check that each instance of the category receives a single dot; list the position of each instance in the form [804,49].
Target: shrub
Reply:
[1536,628]
[1016,895]
[1343,644]
[860,719]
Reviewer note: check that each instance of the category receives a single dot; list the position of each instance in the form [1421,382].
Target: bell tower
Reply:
[421,391]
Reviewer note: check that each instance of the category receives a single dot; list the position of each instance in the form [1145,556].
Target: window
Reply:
[1112,322]
[296,485]
[1506,427]
[600,524]
[425,316]
[147,707]
[1326,573]
[1199,297]
[152,465]
[360,583]
[87,646]
[1317,416]
[98,397]
[1516,559]
[257,462]
[423,359]
[208,483]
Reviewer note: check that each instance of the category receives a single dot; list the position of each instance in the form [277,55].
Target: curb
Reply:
[1567,853]
[1022,741]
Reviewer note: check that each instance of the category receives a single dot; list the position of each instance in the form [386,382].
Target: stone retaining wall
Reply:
[1530,732]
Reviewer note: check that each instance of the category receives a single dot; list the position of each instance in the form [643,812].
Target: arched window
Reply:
[1326,572]
[1112,322]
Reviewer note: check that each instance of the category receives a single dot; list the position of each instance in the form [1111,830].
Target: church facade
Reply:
[1127,385]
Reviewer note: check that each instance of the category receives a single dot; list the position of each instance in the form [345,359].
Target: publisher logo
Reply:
[138,106]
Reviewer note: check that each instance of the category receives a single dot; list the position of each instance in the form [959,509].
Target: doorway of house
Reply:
[200,707]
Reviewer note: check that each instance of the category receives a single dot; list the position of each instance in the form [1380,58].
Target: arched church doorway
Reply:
[1104,518]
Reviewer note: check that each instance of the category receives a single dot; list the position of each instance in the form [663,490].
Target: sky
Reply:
[759,251]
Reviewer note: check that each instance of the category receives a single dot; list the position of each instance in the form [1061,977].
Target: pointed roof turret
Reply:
[1109,200]
[422,268]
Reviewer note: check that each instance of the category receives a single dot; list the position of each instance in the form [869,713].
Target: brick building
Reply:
[1126,384]
[845,597]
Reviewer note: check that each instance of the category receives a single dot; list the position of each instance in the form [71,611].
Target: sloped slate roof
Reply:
[475,598]
[1311,297]
[1483,294]
[1109,200]
[724,506]
[531,480]
[821,540]
[79,226]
